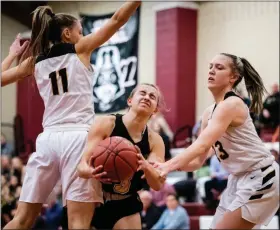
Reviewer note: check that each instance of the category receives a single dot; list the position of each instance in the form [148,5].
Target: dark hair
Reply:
[174,195]
[254,84]
[46,28]
[161,105]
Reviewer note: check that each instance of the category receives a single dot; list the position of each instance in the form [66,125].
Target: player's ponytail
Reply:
[46,29]
[40,29]
[254,85]
[39,42]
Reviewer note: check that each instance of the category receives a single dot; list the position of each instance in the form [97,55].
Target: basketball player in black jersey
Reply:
[122,206]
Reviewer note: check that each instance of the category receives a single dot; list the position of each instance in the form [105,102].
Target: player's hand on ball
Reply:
[86,171]
[99,175]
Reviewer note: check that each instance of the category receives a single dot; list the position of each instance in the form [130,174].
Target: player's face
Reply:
[145,99]
[220,73]
[74,34]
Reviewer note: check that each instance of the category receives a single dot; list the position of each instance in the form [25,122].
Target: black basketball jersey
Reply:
[135,183]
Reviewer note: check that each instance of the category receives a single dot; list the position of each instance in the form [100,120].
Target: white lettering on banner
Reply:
[112,76]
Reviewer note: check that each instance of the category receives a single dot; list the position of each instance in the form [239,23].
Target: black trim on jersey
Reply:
[266,187]
[268,177]
[56,51]
[265,168]
[121,130]
[255,197]
[228,94]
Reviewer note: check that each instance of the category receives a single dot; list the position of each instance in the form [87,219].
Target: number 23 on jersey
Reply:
[219,151]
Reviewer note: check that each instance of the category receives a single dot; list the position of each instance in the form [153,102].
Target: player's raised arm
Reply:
[92,41]
[100,130]
[16,73]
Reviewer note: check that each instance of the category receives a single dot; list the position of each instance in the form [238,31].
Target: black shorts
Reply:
[107,215]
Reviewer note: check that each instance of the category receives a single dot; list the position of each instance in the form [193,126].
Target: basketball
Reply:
[118,157]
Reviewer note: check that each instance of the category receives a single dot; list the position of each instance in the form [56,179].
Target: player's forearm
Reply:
[7,62]
[195,163]
[182,160]
[88,152]
[86,156]
[153,178]
[192,166]
[127,9]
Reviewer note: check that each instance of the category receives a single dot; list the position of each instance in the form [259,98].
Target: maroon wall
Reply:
[30,107]
[176,45]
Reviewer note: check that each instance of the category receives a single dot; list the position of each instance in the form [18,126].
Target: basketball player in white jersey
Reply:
[64,77]
[252,195]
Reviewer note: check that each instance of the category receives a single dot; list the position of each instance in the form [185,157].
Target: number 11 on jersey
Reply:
[64,80]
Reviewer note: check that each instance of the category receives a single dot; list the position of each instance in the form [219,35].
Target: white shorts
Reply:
[57,156]
[256,193]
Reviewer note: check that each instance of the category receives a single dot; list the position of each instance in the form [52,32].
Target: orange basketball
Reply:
[118,157]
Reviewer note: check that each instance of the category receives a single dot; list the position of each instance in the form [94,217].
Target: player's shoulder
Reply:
[154,137]
[102,126]
[232,102]
[206,113]
[105,120]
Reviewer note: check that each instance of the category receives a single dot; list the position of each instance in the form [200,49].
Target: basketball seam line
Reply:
[115,168]
[125,162]
[117,155]
[96,156]
[106,161]
[106,149]
[124,149]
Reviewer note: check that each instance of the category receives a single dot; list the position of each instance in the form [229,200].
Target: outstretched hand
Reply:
[163,169]
[16,49]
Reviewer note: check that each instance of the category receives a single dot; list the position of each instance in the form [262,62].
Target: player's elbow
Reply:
[157,186]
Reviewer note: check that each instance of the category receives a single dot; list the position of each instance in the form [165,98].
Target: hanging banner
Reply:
[115,63]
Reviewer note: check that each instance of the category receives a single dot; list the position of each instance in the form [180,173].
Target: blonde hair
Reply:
[161,105]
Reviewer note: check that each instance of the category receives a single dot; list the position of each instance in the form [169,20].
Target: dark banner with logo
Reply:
[115,63]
